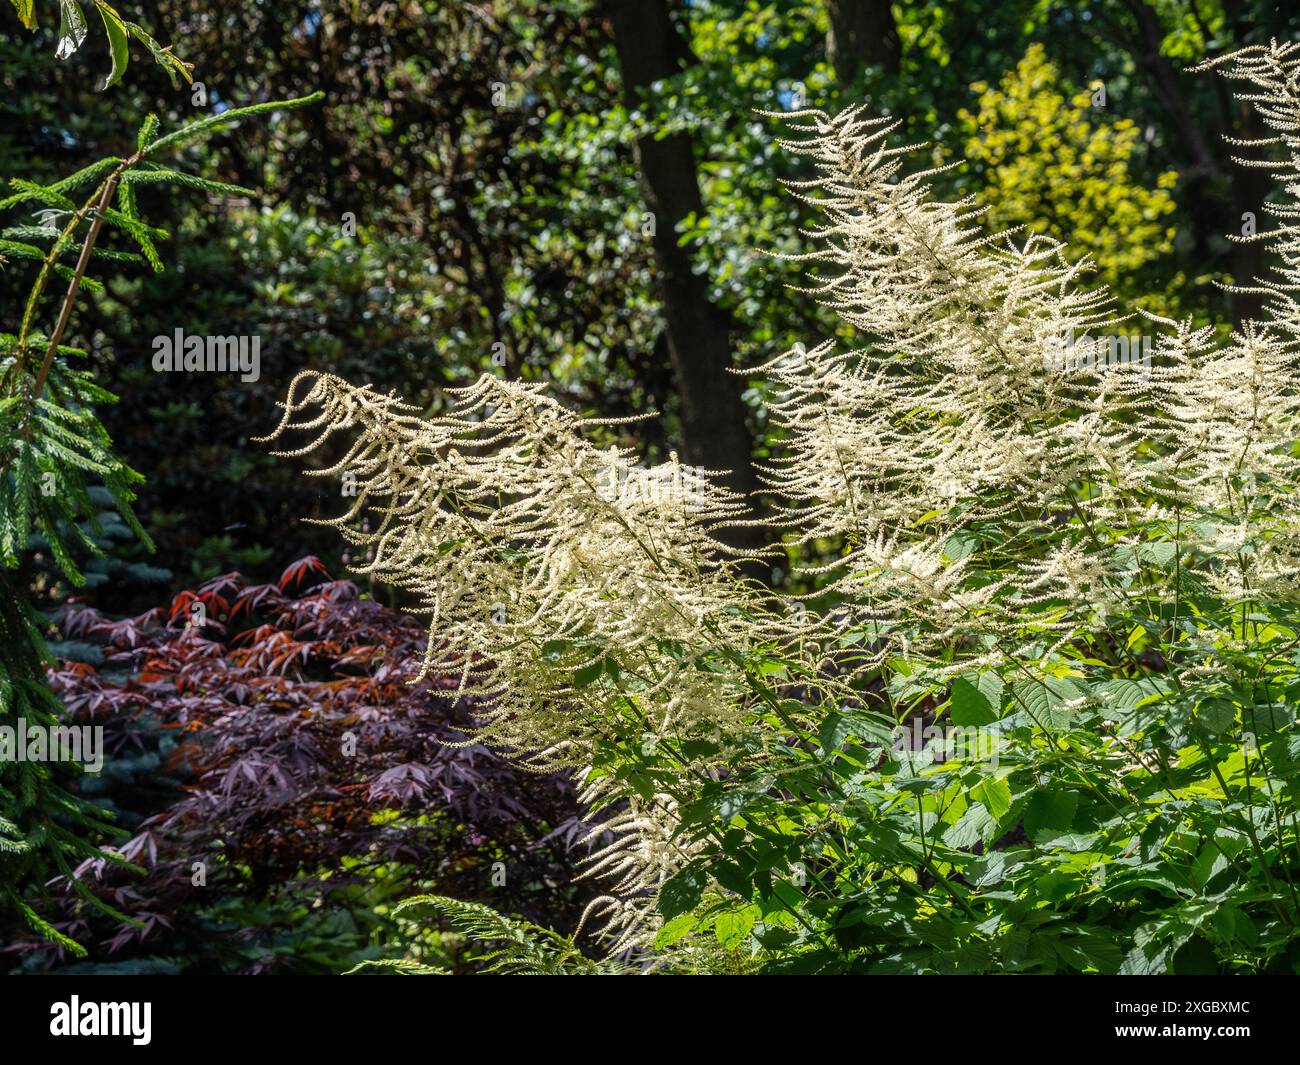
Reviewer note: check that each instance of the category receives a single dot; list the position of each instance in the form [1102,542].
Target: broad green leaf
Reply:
[992,688]
[1075,842]
[72,28]
[733,927]
[682,893]
[116,42]
[969,706]
[1032,698]
[1157,554]
[994,794]
[1050,809]
[1216,716]
[1216,855]
[974,826]
[959,547]
[674,930]
[834,731]
[588,673]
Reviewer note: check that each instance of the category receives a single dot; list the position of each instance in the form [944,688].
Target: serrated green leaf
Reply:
[975,825]
[674,931]
[969,706]
[682,893]
[994,794]
[835,729]
[1050,810]
[170,63]
[732,927]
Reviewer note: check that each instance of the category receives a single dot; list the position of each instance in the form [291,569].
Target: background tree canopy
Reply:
[585,193]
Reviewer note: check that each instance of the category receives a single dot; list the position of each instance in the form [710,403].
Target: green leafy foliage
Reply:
[63,491]
[73,31]
[1045,722]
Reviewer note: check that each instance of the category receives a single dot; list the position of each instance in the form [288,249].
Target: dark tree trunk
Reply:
[1250,185]
[1206,175]
[862,33]
[714,428]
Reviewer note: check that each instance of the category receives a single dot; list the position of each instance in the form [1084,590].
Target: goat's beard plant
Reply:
[1089,569]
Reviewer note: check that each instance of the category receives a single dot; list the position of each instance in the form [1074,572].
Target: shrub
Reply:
[1086,566]
[283,778]
[1053,168]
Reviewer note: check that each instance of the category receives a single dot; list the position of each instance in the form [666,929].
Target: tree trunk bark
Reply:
[715,431]
[862,33]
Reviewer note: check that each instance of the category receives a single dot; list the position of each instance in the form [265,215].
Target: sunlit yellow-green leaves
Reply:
[1059,165]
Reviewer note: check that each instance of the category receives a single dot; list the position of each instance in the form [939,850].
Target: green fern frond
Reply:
[512,945]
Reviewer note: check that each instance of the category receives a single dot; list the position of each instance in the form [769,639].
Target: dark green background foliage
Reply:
[488,154]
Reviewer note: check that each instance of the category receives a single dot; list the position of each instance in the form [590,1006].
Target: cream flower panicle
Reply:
[978,486]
